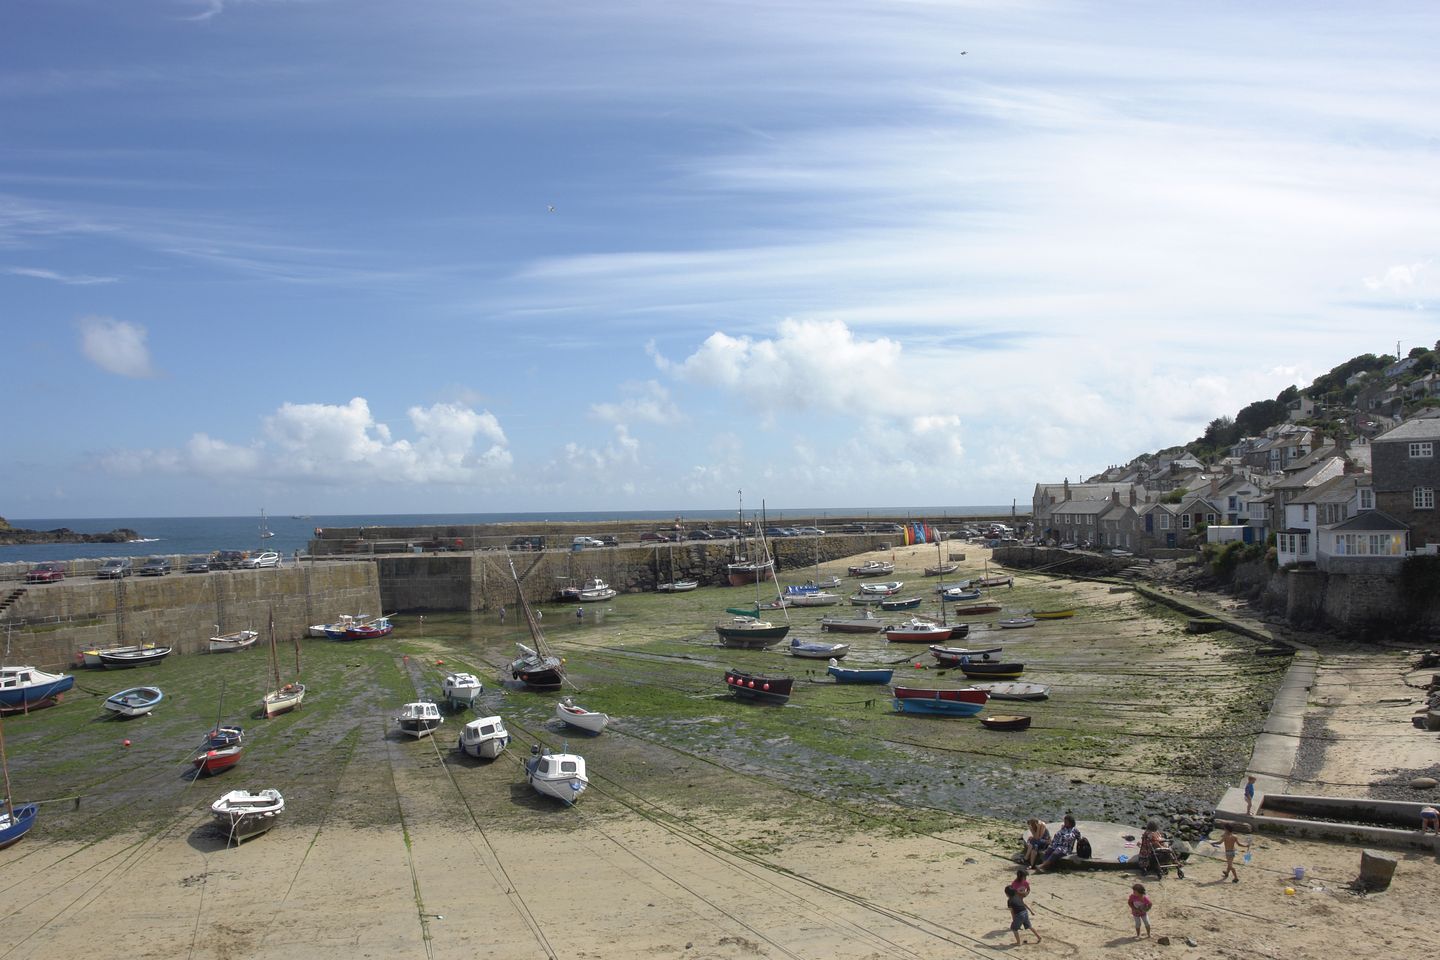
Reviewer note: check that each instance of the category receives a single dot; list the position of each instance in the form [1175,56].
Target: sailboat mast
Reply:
[274,655]
[5,765]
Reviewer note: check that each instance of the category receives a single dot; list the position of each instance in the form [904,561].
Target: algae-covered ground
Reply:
[1143,720]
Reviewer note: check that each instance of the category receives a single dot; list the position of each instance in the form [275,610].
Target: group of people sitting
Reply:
[1043,851]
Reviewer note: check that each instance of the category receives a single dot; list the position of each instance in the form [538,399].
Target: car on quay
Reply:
[650,536]
[701,535]
[228,559]
[811,532]
[197,565]
[155,567]
[114,569]
[528,543]
[267,559]
[608,540]
[50,571]
[582,543]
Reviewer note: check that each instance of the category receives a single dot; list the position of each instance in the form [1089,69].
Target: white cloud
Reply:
[116,346]
[647,402]
[1399,279]
[74,280]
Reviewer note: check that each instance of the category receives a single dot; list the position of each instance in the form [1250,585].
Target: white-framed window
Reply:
[1369,545]
[1294,544]
[1422,449]
[1305,512]
[1184,521]
[1424,498]
[1367,498]
[1090,520]
[1209,518]
[1164,520]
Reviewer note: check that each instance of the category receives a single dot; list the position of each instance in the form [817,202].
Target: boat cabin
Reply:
[486,728]
[420,711]
[562,765]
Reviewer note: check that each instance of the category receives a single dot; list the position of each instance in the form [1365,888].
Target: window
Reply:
[1369,545]
[1184,521]
[1367,498]
[1090,520]
[1424,498]
[1305,513]
[1164,521]
[1294,544]
[1425,449]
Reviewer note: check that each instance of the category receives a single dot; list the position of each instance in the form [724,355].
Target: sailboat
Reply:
[747,630]
[536,667]
[675,586]
[749,570]
[15,821]
[286,697]
[265,532]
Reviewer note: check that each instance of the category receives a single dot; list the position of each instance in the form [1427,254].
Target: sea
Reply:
[203,535]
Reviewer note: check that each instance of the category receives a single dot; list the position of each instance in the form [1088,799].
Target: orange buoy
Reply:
[125,743]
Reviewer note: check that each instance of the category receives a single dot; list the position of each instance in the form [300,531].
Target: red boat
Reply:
[962,695]
[916,630]
[365,631]
[213,760]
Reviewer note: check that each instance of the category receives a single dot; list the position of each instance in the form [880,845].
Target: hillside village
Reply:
[1341,484]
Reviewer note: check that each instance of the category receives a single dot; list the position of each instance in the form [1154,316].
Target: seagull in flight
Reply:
[550,208]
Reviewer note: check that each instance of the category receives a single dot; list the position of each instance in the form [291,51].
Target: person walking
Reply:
[1139,909]
[1019,914]
[1229,841]
[502,613]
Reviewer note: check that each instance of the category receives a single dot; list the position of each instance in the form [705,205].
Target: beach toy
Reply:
[1298,873]
[1247,856]
[1289,891]
[1124,857]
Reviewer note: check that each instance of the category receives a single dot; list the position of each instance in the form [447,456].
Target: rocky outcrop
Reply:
[10,536]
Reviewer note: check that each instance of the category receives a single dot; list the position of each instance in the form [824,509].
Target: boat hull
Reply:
[961,695]
[1053,614]
[1016,691]
[485,738]
[818,651]
[942,708]
[991,671]
[752,638]
[678,586]
[213,760]
[135,702]
[25,695]
[234,641]
[243,815]
[1005,723]
[853,625]
[418,727]
[759,688]
[849,675]
[13,829]
[133,658]
[910,603]
[740,574]
[287,698]
[580,718]
[976,609]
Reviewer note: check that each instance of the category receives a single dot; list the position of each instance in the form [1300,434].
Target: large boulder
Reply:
[1376,870]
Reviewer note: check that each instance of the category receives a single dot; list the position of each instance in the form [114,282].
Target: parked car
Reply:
[701,535]
[775,532]
[608,540]
[581,543]
[227,559]
[267,559]
[48,572]
[528,543]
[810,532]
[197,565]
[853,528]
[650,537]
[155,567]
[115,569]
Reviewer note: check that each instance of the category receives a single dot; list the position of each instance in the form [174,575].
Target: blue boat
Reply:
[15,822]
[24,687]
[858,675]
[224,736]
[946,708]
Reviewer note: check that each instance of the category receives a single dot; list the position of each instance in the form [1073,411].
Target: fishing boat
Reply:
[824,583]
[959,595]
[239,640]
[677,586]
[135,702]
[872,568]
[135,657]
[1005,723]
[26,688]
[916,630]
[954,589]
[461,689]
[558,775]
[984,670]
[536,667]
[419,719]
[995,582]
[284,697]
[812,650]
[341,624]
[1064,614]
[863,622]
[859,674]
[577,716]
[1009,690]
[593,590]
[976,609]
[242,814]
[761,688]
[212,760]
[1016,623]
[15,821]
[751,633]
[369,630]
[810,595]
[947,702]
[951,656]
[886,588]
[890,604]
[485,738]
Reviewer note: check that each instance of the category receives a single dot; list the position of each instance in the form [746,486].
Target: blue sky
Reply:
[334,257]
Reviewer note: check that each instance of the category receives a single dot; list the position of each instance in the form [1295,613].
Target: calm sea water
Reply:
[196,535]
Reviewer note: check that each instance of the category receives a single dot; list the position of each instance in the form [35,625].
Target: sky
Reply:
[353,256]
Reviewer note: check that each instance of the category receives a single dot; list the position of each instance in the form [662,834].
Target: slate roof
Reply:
[1368,521]
[1420,428]
[1335,490]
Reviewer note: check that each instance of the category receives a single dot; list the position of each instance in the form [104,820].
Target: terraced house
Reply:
[1406,465]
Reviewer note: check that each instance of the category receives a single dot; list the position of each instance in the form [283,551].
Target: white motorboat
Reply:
[1017,623]
[815,650]
[677,586]
[873,568]
[814,598]
[239,640]
[863,622]
[460,690]
[577,716]
[593,590]
[885,587]
[1014,690]
[485,738]
[420,719]
[242,814]
[135,702]
[558,775]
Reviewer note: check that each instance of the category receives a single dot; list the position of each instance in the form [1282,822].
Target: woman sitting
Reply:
[1155,852]
[1061,845]
[1036,840]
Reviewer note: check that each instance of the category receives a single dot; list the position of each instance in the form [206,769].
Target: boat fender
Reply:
[765,687]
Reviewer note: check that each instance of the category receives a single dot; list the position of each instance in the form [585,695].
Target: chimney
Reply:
[1214,485]
[1067,488]
[1132,495]
[1115,496]
[1229,469]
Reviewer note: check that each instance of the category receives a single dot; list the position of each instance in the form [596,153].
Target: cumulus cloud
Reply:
[647,402]
[116,346]
[1398,279]
[333,443]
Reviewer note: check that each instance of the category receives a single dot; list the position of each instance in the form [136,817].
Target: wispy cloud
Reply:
[116,346]
[78,280]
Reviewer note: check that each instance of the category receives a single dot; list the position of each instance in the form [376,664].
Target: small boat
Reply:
[976,609]
[761,688]
[916,630]
[824,583]
[983,670]
[485,738]
[951,656]
[866,599]
[461,689]
[940,569]
[965,702]
[380,627]
[995,582]
[15,821]
[283,697]
[1065,614]
[135,702]
[952,587]
[863,622]
[558,775]
[677,586]
[419,719]
[24,688]
[1005,723]
[341,624]
[909,603]
[887,587]
[1017,623]
[577,716]
[211,760]
[593,590]
[749,633]
[535,670]
[242,814]
[814,598]
[959,595]
[1009,690]
[239,640]
[859,674]
[225,736]
[812,650]
[134,657]
[873,568]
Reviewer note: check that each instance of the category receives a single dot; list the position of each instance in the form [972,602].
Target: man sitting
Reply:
[1061,845]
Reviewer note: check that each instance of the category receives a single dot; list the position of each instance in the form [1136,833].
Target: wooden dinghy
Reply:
[1010,690]
[980,670]
[1005,723]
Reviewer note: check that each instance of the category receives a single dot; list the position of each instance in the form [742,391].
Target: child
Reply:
[1249,794]
[1229,841]
[1021,883]
[1430,820]
[1139,909]
[1019,914]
